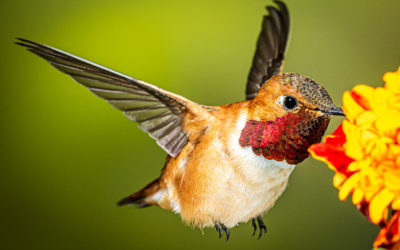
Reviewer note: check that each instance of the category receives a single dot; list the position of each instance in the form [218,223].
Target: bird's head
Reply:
[292,93]
[289,114]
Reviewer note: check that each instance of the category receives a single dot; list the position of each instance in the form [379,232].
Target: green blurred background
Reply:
[67,156]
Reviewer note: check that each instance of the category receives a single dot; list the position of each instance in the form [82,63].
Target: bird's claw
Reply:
[218,230]
[253,223]
[261,225]
[218,227]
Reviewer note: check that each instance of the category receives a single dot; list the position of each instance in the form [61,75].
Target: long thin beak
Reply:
[336,111]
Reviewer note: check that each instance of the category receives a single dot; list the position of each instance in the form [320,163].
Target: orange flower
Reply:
[389,236]
[364,151]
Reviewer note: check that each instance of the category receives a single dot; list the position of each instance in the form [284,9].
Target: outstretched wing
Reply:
[271,46]
[157,112]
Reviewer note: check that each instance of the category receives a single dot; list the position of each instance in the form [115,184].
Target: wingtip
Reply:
[23,40]
[122,202]
[132,201]
[23,44]
[128,201]
[282,6]
[27,42]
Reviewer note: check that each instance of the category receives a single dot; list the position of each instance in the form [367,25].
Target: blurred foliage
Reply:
[67,156]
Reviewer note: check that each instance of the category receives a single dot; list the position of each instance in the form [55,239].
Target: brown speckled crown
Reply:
[310,89]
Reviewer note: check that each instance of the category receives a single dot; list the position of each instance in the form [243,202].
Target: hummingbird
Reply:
[225,164]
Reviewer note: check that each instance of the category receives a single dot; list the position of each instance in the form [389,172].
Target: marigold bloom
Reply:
[364,151]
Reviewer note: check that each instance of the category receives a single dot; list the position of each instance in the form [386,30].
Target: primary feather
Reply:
[271,47]
[157,112]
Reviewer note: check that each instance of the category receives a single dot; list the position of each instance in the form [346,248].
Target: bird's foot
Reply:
[253,223]
[261,225]
[219,226]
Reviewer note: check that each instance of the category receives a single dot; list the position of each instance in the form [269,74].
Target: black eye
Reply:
[289,102]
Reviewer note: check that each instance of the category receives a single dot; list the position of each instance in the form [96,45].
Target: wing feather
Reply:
[157,112]
[271,47]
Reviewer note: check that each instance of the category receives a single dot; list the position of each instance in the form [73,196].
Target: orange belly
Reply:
[216,180]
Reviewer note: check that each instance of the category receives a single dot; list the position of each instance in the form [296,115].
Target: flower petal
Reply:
[365,153]
[380,150]
[338,133]
[388,121]
[392,80]
[358,196]
[379,203]
[381,95]
[389,236]
[354,149]
[370,194]
[338,179]
[367,117]
[394,151]
[362,94]
[332,155]
[396,204]
[351,108]
[392,180]
[348,186]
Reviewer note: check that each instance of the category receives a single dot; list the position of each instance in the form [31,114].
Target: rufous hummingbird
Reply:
[226,164]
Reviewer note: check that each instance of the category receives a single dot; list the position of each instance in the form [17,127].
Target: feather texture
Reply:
[157,112]
[271,47]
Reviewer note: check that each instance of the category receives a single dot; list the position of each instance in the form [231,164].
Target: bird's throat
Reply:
[285,138]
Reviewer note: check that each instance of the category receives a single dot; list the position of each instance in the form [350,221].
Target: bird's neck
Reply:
[285,138]
[253,168]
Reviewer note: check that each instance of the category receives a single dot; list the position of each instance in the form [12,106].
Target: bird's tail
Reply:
[144,197]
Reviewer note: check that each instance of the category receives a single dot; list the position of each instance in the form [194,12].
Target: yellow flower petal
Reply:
[348,186]
[366,117]
[352,108]
[396,203]
[386,139]
[385,215]
[380,150]
[372,178]
[388,122]
[369,147]
[338,179]
[379,203]
[392,134]
[365,93]
[394,151]
[349,128]
[381,95]
[398,137]
[392,180]
[353,149]
[370,194]
[364,90]
[392,80]
[358,196]
[365,137]
[354,166]
[357,165]
[372,140]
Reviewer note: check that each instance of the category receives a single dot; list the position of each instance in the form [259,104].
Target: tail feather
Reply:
[139,198]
